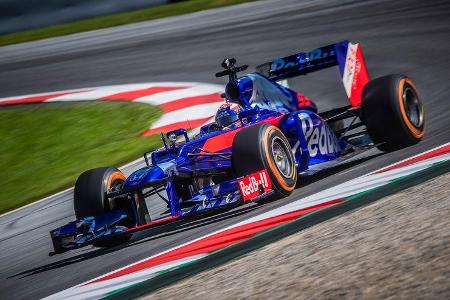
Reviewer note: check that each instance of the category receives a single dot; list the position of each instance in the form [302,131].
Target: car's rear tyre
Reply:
[393,112]
[90,198]
[264,146]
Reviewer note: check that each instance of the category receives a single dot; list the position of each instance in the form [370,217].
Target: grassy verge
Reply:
[45,147]
[115,20]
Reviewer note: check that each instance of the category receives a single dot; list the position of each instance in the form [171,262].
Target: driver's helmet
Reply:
[227,114]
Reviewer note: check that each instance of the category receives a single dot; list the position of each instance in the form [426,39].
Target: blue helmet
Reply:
[227,114]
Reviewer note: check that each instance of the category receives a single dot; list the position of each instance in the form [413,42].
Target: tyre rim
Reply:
[413,106]
[281,157]
[115,186]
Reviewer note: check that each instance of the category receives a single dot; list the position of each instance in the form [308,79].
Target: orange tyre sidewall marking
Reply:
[115,176]
[417,133]
[273,168]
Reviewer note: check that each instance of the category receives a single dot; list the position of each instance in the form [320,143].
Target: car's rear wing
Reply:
[344,54]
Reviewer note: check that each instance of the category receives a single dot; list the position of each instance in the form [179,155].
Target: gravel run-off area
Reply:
[396,248]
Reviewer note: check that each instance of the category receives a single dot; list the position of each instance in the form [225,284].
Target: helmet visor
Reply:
[225,121]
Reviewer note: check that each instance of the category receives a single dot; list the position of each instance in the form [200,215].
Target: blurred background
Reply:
[19,15]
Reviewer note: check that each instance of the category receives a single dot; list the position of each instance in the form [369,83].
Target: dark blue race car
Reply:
[265,136]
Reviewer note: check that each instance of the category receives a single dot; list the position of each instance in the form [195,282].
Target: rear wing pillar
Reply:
[346,55]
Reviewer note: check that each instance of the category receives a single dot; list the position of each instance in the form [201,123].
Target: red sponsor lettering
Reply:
[255,184]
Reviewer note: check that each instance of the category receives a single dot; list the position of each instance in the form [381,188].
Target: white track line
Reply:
[104,287]
[165,97]
[191,113]
[98,93]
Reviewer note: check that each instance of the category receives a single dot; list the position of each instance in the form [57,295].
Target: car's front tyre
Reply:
[90,198]
[263,146]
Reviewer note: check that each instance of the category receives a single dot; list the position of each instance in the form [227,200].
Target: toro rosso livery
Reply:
[265,137]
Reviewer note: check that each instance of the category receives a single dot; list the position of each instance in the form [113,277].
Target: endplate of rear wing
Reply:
[346,55]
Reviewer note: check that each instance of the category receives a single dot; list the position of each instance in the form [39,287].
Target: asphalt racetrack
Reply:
[410,37]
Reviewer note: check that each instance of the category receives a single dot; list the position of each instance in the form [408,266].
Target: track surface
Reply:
[408,37]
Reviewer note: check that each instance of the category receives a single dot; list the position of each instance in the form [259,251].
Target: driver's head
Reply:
[227,114]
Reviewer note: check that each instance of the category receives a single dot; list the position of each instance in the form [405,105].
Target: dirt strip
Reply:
[398,248]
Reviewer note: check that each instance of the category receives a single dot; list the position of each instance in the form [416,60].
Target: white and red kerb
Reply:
[184,104]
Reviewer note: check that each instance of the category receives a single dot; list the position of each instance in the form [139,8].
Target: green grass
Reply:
[115,20]
[44,147]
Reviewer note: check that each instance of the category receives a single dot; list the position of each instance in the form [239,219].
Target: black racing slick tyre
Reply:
[393,112]
[264,146]
[90,198]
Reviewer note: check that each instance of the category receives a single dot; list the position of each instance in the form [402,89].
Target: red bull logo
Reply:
[255,184]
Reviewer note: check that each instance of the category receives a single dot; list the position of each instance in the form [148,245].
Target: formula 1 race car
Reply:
[276,136]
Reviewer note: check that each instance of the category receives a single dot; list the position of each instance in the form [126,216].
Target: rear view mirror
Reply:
[173,135]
